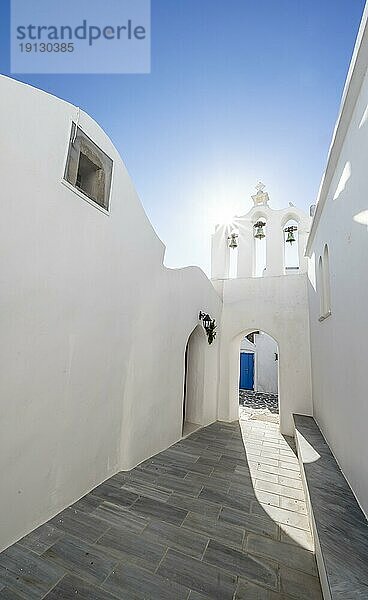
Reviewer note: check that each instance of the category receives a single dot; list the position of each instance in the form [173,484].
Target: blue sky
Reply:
[240,90]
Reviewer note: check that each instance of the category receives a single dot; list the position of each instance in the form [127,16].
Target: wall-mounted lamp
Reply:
[290,233]
[259,233]
[233,241]
[209,326]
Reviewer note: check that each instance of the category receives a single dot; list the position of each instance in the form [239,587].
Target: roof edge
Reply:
[353,84]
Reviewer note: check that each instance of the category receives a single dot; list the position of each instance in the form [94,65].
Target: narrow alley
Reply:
[203,519]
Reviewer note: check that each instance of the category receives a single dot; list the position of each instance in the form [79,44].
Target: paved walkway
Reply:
[202,520]
[259,400]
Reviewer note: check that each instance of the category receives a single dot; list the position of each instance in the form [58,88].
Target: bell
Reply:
[259,234]
[207,321]
[290,234]
[233,241]
[290,237]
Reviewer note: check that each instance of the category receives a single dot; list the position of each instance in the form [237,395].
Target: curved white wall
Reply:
[94,328]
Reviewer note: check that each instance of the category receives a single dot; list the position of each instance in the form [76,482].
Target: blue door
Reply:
[246,371]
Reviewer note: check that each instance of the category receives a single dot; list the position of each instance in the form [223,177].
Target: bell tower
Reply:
[263,230]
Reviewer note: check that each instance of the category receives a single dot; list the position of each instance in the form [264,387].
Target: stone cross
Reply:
[261,197]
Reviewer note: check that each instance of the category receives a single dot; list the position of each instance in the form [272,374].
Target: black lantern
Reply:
[232,239]
[290,234]
[259,234]
[209,326]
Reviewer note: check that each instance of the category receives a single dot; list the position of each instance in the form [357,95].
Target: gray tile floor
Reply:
[341,525]
[202,520]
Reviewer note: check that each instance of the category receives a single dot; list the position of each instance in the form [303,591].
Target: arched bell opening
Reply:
[259,247]
[233,244]
[291,247]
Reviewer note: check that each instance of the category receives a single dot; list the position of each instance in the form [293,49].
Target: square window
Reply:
[88,168]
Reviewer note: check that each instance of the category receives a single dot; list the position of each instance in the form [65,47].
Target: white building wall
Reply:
[220,253]
[247,346]
[267,366]
[339,344]
[94,327]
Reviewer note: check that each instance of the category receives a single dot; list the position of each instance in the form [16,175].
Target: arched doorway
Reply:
[259,377]
[194,373]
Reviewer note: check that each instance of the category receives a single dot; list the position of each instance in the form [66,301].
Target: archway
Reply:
[279,309]
[194,374]
[258,377]
[230,385]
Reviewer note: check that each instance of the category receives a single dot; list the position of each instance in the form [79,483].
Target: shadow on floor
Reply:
[209,518]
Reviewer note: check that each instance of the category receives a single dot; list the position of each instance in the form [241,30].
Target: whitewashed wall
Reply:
[246,345]
[339,343]
[267,366]
[94,327]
